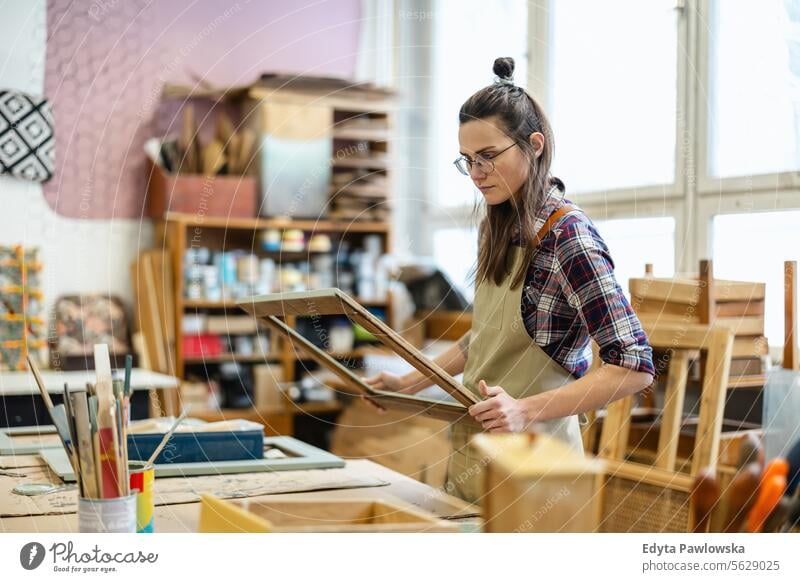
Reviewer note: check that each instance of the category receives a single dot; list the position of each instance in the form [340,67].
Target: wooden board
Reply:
[687,291]
[689,312]
[300,456]
[269,308]
[741,326]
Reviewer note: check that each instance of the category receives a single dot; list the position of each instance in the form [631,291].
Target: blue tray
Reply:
[198,447]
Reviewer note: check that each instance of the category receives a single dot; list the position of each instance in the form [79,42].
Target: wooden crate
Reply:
[536,483]
[220,196]
[318,515]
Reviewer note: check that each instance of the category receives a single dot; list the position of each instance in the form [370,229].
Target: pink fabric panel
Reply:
[107,61]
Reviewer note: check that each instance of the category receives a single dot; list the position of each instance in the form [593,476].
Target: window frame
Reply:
[708,185]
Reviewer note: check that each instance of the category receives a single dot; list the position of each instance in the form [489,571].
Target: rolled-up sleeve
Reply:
[588,281]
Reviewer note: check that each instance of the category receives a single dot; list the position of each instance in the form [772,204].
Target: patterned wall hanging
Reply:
[27,146]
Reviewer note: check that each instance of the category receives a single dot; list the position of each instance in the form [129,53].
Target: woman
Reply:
[545,285]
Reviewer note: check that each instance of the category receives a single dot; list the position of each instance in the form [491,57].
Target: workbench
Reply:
[184,517]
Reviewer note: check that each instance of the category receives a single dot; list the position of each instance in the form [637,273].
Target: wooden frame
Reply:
[639,497]
[270,308]
[301,456]
[8,447]
[316,515]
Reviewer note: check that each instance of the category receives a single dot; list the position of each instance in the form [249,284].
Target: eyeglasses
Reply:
[485,163]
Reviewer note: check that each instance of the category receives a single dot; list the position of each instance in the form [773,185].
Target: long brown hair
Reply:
[521,115]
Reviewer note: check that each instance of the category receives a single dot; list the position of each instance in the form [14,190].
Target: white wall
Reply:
[80,256]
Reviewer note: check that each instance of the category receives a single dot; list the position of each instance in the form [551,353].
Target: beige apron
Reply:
[503,354]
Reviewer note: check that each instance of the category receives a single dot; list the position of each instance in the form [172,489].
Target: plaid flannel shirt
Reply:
[570,293]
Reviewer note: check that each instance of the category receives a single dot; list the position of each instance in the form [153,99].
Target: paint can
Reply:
[113,515]
[142,481]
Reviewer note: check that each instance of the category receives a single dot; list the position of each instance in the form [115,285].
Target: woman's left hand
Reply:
[499,412]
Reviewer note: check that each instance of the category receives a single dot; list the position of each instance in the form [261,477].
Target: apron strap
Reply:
[583,420]
[551,220]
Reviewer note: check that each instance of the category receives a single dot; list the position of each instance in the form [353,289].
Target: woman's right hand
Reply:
[387,382]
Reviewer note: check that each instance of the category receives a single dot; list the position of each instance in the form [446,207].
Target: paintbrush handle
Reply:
[40,383]
[128,370]
[166,438]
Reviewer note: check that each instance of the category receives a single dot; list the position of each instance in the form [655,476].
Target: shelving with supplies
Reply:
[199,314]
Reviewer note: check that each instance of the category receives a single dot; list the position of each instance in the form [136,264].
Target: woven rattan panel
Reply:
[630,506]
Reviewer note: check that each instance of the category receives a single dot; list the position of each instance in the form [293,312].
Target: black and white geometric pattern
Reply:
[27,144]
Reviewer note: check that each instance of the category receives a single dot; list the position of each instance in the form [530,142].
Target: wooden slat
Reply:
[688,313]
[712,400]
[675,291]
[706,309]
[748,325]
[750,347]
[687,291]
[741,326]
[672,415]
[613,441]
[649,474]
[249,224]
[740,308]
[790,359]
[754,381]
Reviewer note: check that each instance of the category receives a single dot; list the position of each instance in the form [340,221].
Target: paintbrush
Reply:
[126,398]
[122,458]
[40,383]
[73,435]
[128,371]
[59,416]
[92,402]
[166,437]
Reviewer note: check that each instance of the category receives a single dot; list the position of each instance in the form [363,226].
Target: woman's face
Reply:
[487,138]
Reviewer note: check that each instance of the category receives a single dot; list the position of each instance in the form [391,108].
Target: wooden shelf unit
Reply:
[177,232]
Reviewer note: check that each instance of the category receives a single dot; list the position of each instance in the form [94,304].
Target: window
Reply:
[613,93]
[740,245]
[754,100]
[455,251]
[468,36]
[683,108]
[634,242]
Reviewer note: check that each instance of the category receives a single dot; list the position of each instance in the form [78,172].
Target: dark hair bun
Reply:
[504,68]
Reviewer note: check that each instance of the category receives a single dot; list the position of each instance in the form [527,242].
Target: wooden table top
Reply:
[184,518]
